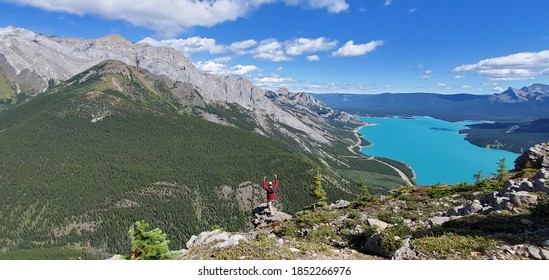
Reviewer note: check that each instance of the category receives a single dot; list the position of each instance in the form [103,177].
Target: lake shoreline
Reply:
[434,149]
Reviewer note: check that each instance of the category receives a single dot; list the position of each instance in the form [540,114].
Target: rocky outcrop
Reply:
[262,216]
[220,239]
[536,157]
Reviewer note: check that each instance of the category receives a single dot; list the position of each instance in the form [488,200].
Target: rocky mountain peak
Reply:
[114,39]
[525,94]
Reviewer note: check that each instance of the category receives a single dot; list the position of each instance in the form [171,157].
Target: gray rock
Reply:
[545,244]
[407,252]
[509,186]
[508,249]
[262,217]
[541,186]
[503,203]
[190,243]
[534,252]
[526,186]
[340,204]
[218,236]
[527,222]
[544,254]
[437,221]
[116,258]
[523,199]
[456,211]
[474,207]
[490,198]
[294,250]
[536,157]
[381,225]
[543,174]
[280,242]
[232,241]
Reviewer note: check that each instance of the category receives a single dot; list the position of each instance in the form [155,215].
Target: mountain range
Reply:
[525,104]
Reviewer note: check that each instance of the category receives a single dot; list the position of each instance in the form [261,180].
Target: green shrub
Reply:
[541,210]
[388,241]
[148,245]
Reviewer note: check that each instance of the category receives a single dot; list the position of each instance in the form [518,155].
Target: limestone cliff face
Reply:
[41,60]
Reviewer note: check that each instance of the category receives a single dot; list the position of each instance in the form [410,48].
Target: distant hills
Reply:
[526,104]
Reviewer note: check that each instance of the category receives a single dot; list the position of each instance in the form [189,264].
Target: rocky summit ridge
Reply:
[37,61]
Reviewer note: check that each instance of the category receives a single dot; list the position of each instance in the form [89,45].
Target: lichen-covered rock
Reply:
[523,199]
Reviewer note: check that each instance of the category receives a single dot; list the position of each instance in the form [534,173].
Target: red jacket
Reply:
[270,195]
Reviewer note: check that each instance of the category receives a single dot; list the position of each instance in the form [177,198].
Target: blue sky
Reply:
[360,46]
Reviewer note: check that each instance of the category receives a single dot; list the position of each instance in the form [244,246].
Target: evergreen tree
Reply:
[478,177]
[502,170]
[317,191]
[148,245]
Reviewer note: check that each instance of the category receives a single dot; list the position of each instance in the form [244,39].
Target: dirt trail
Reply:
[357,143]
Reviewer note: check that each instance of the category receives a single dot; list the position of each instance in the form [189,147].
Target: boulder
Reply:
[526,185]
[207,237]
[262,216]
[543,174]
[456,211]
[503,203]
[232,241]
[541,186]
[437,221]
[381,225]
[407,252]
[340,204]
[544,254]
[523,199]
[534,252]
[474,207]
[536,157]
[190,243]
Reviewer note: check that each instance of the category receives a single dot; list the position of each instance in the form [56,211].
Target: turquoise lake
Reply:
[433,148]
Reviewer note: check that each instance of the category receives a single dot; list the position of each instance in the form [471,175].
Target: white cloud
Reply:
[305,45]
[466,87]
[388,2]
[241,47]
[518,66]
[166,17]
[188,45]
[270,49]
[170,17]
[412,10]
[427,75]
[443,85]
[213,67]
[313,57]
[459,77]
[333,6]
[350,49]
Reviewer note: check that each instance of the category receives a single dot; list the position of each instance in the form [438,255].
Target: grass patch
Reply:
[449,245]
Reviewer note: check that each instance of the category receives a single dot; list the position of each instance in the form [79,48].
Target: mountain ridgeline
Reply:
[526,104]
[86,154]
